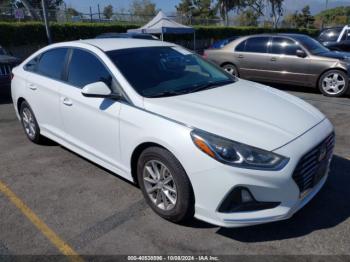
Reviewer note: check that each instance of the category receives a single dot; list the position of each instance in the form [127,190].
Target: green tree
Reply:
[197,8]
[248,17]
[276,11]
[334,16]
[225,6]
[290,20]
[108,11]
[143,8]
[185,8]
[305,19]
[257,6]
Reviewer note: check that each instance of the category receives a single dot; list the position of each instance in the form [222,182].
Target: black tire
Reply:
[230,69]
[35,137]
[183,210]
[332,92]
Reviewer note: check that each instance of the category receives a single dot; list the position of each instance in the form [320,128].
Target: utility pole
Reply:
[90,14]
[48,33]
[99,12]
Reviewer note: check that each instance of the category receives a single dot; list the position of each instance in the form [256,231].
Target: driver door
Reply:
[90,124]
[286,66]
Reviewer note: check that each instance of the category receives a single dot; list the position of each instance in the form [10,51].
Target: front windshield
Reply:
[312,45]
[167,71]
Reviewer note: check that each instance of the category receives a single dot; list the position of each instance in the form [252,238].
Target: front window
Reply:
[311,44]
[167,71]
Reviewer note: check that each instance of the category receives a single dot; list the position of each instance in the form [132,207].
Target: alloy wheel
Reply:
[333,83]
[160,185]
[230,69]
[29,122]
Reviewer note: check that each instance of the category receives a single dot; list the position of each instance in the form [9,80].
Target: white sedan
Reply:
[196,140]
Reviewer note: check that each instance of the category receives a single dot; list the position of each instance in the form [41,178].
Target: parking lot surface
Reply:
[95,212]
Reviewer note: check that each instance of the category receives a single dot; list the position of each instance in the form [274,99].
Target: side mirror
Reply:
[98,89]
[301,53]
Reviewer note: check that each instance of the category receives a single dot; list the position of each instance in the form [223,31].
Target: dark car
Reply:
[336,38]
[128,35]
[285,58]
[7,62]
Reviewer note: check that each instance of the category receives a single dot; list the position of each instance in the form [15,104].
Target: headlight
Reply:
[237,154]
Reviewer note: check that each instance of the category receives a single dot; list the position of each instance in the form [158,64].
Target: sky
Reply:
[168,6]
[83,5]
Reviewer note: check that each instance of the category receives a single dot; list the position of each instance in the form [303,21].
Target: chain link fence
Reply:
[64,15]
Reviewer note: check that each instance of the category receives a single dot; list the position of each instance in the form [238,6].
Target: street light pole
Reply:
[47,27]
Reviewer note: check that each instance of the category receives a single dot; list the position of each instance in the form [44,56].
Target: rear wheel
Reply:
[165,185]
[231,69]
[333,83]
[29,123]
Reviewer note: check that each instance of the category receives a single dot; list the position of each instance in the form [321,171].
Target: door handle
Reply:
[273,59]
[32,86]
[240,56]
[67,101]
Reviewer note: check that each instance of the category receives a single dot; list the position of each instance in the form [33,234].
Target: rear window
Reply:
[257,44]
[330,35]
[50,63]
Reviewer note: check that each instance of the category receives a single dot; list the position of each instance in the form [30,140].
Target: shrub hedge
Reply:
[22,33]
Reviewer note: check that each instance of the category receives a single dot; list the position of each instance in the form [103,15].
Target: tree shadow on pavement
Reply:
[330,207]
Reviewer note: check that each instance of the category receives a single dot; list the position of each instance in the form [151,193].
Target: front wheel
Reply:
[165,185]
[231,69]
[333,83]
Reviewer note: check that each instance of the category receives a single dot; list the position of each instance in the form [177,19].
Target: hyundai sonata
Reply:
[198,141]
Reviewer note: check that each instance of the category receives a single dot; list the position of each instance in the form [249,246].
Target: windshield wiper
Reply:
[211,84]
[205,86]
[168,93]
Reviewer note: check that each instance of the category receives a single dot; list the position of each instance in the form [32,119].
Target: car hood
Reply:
[244,111]
[335,54]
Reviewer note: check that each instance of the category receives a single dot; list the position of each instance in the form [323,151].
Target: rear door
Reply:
[90,124]
[254,58]
[286,66]
[44,77]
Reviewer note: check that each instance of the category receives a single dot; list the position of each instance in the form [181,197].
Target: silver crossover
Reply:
[285,58]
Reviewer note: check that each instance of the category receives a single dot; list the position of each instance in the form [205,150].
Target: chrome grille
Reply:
[5,70]
[306,170]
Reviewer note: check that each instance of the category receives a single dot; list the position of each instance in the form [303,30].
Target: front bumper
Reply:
[212,186]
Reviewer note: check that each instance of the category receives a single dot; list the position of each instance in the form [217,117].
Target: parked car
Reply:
[7,62]
[197,140]
[336,38]
[285,58]
[128,35]
[221,43]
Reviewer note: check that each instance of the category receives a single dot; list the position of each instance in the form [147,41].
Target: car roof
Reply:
[276,34]
[109,44]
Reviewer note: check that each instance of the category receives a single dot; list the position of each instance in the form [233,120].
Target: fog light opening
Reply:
[240,199]
[246,197]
